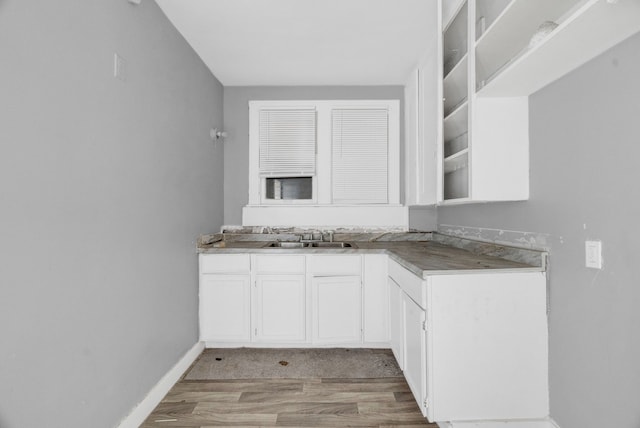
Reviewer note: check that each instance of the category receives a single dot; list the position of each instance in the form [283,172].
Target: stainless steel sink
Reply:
[330,244]
[280,244]
[285,244]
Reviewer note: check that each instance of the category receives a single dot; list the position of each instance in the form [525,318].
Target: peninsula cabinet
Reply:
[474,345]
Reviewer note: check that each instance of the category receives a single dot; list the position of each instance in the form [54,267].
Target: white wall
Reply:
[236,123]
[104,187]
[585,147]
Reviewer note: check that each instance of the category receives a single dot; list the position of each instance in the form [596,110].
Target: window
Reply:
[330,153]
[360,156]
[287,143]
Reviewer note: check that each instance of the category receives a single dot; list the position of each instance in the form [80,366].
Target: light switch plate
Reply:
[119,67]
[593,254]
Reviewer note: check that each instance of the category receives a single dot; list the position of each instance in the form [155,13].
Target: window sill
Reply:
[371,215]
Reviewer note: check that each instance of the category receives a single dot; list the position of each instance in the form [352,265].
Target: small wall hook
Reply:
[216,134]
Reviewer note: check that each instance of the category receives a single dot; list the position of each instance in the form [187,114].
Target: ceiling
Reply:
[306,42]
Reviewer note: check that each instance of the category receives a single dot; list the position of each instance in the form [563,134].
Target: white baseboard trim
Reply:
[372,345]
[157,393]
[553,424]
[532,423]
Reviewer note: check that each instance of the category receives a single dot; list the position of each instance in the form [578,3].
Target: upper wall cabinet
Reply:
[494,54]
[529,44]
[421,124]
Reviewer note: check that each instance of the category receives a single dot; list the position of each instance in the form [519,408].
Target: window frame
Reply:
[322,179]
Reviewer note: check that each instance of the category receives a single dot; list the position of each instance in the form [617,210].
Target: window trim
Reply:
[322,180]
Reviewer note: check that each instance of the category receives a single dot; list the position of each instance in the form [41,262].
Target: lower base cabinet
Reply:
[396,322]
[337,314]
[280,308]
[225,310]
[473,346]
[415,351]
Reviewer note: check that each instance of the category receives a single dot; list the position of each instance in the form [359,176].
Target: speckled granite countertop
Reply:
[425,254]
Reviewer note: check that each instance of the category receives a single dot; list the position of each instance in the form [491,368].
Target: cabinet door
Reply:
[337,306]
[279,308]
[415,369]
[489,334]
[225,302]
[396,325]
[376,299]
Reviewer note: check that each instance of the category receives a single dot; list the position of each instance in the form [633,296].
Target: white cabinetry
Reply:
[485,142]
[396,322]
[415,338]
[474,345]
[279,300]
[337,303]
[225,310]
[279,308]
[337,298]
[294,300]
[422,116]
[375,299]
[495,53]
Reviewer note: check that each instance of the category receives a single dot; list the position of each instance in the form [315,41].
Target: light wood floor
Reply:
[289,402]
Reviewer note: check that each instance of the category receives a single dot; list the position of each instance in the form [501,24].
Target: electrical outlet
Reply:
[593,254]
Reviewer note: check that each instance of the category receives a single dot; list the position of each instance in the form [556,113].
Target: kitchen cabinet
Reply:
[415,338]
[375,299]
[293,300]
[474,345]
[494,54]
[280,308]
[225,310]
[484,141]
[396,322]
[336,282]
[279,298]
[337,314]
[421,124]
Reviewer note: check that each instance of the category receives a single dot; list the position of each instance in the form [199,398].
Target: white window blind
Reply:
[287,142]
[360,155]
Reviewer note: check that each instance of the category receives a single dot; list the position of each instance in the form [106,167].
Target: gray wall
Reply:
[423,218]
[585,147]
[236,123]
[104,187]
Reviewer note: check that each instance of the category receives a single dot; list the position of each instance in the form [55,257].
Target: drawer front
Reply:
[279,264]
[411,284]
[335,265]
[225,263]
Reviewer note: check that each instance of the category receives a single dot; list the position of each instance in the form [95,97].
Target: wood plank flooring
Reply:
[289,402]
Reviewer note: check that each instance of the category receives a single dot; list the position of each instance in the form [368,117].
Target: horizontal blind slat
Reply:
[287,142]
[360,155]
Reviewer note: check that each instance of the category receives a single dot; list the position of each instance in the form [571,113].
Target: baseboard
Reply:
[537,423]
[369,345]
[157,393]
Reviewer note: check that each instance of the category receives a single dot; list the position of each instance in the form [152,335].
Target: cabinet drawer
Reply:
[279,264]
[335,265]
[411,284]
[224,263]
